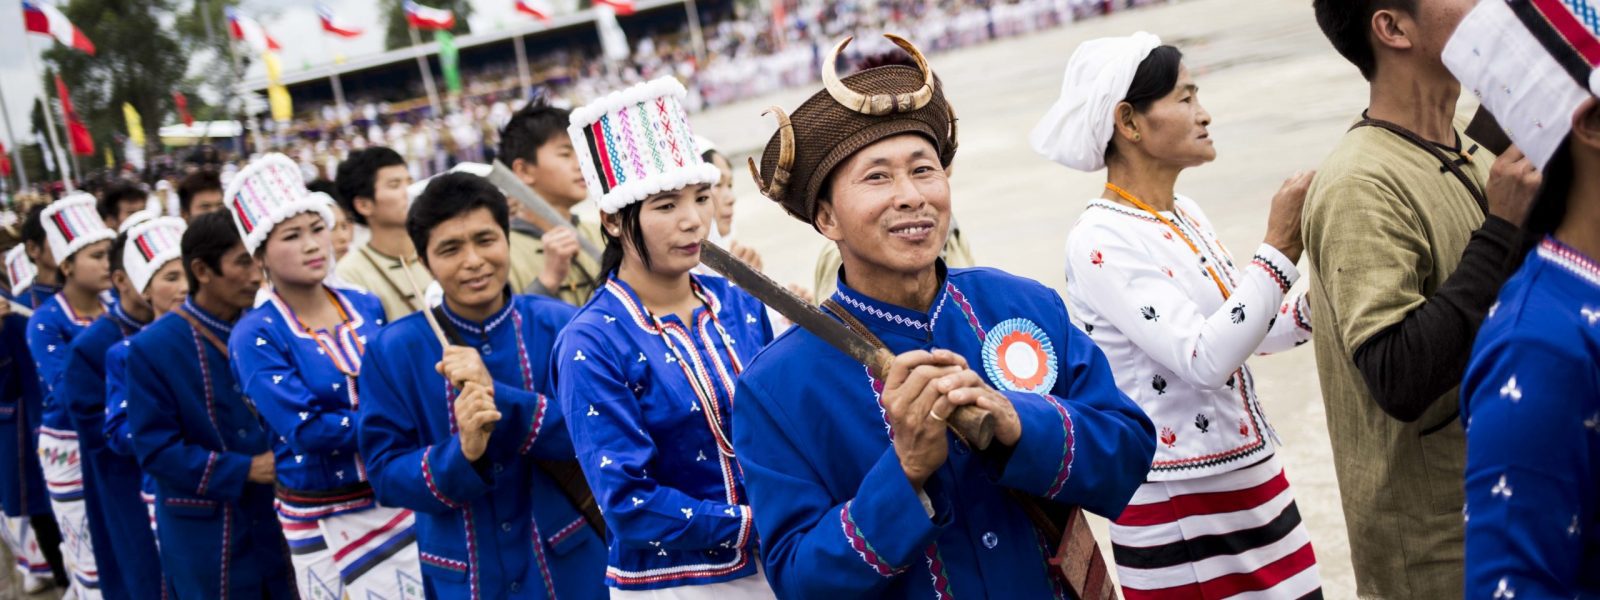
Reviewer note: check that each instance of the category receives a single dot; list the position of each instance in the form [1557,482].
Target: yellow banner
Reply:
[277,94]
[135,124]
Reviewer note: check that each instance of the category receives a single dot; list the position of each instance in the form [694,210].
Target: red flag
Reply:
[182,103]
[331,23]
[428,18]
[45,19]
[77,134]
[5,161]
[621,7]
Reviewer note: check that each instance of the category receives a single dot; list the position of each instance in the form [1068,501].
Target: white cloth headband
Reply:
[1079,125]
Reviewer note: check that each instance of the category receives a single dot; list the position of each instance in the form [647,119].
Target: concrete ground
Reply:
[1279,97]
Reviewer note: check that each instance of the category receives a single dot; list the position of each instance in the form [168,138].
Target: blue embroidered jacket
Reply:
[22,489]
[656,447]
[1531,405]
[36,295]
[837,516]
[50,332]
[124,547]
[497,527]
[303,384]
[195,433]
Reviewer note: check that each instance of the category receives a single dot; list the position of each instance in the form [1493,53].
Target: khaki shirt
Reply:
[956,255]
[527,262]
[380,274]
[1384,228]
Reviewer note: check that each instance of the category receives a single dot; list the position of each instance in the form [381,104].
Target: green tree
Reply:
[137,61]
[396,34]
[202,28]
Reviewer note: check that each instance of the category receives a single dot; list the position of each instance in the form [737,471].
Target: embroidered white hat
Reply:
[72,223]
[1531,63]
[636,143]
[267,192]
[20,270]
[150,246]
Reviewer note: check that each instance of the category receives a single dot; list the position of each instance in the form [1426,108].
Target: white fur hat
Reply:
[20,270]
[636,143]
[267,192]
[151,244]
[72,223]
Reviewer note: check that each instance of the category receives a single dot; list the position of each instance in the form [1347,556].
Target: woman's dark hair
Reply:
[1156,77]
[449,196]
[712,153]
[358,173]
[33,226]
[208,238]
[628,218]
[325,186]
[1550,205]
[116,251]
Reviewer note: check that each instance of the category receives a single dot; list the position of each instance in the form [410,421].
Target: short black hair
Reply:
[628,218]
[1156,77]
[449,196]
[325,186]
[204,180]
[358,173]
[529,129]
[33,225]
[207,239]
[1348,23]
[117,193]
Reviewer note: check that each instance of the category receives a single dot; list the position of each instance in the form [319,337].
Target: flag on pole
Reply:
[621,7]
[538,9]
[182,103]
[5,161]
[135,124]
[250,32]
[77,134]
[331,23]
[429,19]
[111,159]
[45,19]
[449,60]
[277,95]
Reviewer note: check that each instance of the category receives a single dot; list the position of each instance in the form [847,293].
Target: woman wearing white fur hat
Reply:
[1149,280]
[298,357]
[81,244]
[645,372]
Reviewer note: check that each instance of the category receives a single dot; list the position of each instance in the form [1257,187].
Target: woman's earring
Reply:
[1136,136]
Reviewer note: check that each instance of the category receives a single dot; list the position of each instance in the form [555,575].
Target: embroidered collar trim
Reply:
[217,326]
[123,319]
[890,314]
[1566,257]
[488,325]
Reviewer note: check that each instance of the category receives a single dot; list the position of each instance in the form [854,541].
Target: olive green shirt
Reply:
[1384,227]
[527,262]
[382,275]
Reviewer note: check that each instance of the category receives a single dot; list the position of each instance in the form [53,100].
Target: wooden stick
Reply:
[427,311]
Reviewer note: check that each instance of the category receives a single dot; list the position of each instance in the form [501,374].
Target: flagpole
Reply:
[16,147]
[240,92]
[333,76]
[696,38]
[49,119]
[522,67]
[427,72]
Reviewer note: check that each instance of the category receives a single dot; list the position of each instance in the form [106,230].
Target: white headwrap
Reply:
[1079,125]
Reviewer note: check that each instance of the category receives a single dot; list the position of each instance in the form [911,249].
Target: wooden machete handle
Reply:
[973,425]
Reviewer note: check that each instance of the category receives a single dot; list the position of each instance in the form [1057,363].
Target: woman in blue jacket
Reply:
[645,372]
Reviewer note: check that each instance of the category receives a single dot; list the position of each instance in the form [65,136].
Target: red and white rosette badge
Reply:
[1018,356]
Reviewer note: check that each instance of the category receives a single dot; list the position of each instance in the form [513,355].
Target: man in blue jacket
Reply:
[200,438]
[458,434]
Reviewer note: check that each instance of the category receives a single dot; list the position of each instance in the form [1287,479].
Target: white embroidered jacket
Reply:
[1176,346]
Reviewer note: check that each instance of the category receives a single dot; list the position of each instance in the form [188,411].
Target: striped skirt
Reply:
[1233,535]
